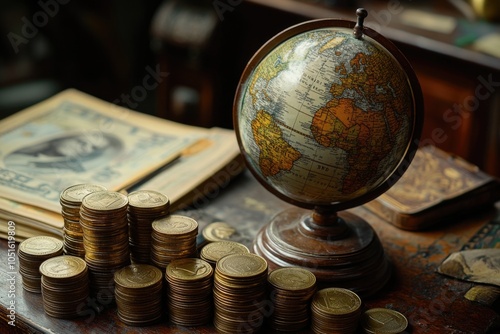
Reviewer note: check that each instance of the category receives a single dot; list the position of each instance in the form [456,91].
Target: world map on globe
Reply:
[324,117]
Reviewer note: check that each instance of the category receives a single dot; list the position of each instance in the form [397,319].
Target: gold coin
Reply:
[64,266]
[216,250]
[218,231]
[41,245]
[147,199]
[189,269]
[76,193]
[138,276]
[292,278]
[336,301]
[175,225]
[105,201]
[383,321]
[242,265]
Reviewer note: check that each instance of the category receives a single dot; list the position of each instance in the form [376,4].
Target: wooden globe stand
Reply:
[341,249]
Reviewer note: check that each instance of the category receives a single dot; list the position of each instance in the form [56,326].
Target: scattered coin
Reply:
[218,231]
[383,321]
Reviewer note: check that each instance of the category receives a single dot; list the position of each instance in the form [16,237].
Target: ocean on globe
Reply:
[322,117]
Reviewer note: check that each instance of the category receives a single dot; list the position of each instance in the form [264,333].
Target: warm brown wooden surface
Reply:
[431,302]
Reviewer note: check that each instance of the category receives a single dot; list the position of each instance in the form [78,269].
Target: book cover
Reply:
[436,187]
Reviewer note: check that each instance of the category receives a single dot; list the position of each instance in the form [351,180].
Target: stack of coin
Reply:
[32,252]
[335,310]
[173,237]
[138,292]
[71,200]
[65,286]
[239,293]
[383,321]
[144,206]
[103,216]
[214,251]
[291,290]
[189,292]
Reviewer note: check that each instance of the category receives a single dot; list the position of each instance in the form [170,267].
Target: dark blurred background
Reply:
[196,50]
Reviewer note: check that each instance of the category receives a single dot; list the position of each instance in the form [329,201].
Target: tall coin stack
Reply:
[144,206]
[103,216]
[291,290]
[138,294]
[32,252]
[240,293]
[71,200]
[335,310]
[214,251]
[189,292]
[173,237]
[65,286]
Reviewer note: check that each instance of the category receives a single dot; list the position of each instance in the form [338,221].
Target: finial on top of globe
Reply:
[328,115]
[358,28]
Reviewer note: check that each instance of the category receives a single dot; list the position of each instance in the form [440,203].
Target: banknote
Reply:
[74,138]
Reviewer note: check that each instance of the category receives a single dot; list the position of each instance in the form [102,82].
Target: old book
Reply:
[436,187]
[75,138]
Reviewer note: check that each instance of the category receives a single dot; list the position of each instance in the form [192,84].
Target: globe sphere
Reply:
[324,118]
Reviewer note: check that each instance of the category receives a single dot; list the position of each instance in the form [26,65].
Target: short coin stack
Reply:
[32,252]
[214,251]
[239,293]
[291,290]
[383,321]
[189,294]
[71,200]
[65,286]
[103,216]
[173,237]
[138,292]
[144,206]
[335,310]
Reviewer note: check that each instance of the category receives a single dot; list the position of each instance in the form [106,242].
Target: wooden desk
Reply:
[431,302]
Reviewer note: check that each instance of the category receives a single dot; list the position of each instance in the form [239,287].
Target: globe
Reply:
[325,118]
[327,114]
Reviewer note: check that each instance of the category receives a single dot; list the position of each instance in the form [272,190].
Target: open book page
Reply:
[202,170]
